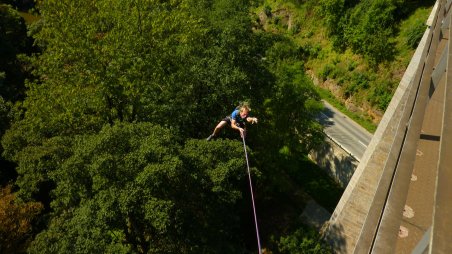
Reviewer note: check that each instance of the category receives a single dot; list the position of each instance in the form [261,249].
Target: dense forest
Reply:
[105,107]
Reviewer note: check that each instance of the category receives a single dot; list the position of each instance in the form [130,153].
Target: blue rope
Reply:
[252,197]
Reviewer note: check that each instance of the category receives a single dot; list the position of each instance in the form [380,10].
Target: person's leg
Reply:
[217,129]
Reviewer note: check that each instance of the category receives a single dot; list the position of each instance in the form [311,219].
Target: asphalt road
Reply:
[344,131]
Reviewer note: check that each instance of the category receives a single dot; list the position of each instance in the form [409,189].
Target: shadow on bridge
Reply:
[335,237]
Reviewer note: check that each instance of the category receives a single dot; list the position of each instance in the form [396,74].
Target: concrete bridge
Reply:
[399,200]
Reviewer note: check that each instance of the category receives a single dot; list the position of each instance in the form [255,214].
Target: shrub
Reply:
[326,71]
[332,11]
[311,50]
[358,81]
[381,94]
[415,33]
[309,34]
[268,11]
[303,241]
[283,50]
[371,28]
[295,28]
[352,65]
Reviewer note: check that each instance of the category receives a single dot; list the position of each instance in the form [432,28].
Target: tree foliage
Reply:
[141,61]
[107,137]
[414,35]
[294,102]
[303,241]
[292,109]
[133,188]
[15,221]
[367,27]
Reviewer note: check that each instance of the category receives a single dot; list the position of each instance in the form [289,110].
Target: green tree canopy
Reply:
[108,61]
[132,187]
[367,27]
[138,61]
[108,134]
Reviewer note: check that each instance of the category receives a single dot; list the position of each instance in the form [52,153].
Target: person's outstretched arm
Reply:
[251,119]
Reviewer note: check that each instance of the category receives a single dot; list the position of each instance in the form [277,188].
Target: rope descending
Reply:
[252,197]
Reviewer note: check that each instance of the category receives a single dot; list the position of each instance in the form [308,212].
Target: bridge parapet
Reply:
[369,216]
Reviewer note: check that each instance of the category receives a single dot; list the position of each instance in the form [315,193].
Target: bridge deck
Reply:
[418,212]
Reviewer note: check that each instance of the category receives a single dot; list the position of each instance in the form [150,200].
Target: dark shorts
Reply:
[228,120]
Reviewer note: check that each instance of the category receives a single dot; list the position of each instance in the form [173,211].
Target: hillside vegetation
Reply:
[357,51]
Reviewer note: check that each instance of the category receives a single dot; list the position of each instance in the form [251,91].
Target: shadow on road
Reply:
[325,116]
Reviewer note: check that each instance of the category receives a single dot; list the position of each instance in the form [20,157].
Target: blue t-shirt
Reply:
[238,120]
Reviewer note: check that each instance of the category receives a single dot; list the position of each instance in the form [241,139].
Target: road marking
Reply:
[327,117]
[362,144]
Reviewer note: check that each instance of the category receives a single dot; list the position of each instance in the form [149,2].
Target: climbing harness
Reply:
[252,197]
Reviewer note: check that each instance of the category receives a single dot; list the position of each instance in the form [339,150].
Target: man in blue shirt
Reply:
[237,121]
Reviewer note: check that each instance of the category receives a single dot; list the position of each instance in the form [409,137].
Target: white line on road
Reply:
[362,144]
[325,116]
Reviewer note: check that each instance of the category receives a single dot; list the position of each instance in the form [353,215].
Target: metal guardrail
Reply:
[341,146]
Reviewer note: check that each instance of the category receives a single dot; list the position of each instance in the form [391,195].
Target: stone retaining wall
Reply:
[336,161]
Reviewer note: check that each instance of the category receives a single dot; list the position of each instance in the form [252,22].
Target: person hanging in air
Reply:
[236,120]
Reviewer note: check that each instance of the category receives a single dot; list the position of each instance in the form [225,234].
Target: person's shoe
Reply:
[210,137]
